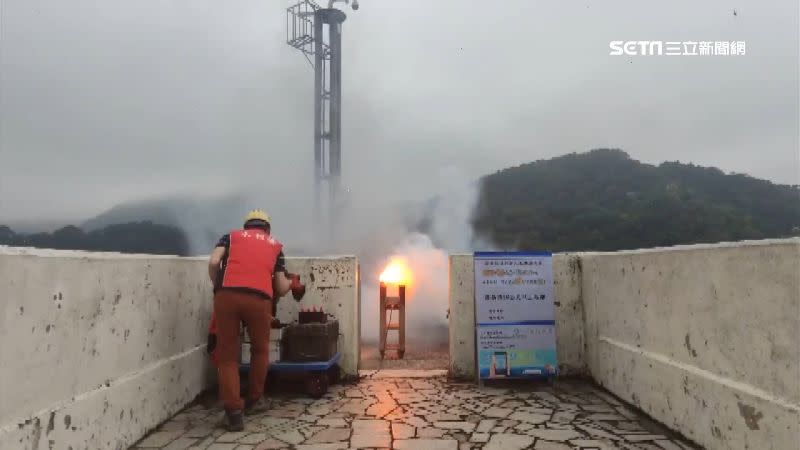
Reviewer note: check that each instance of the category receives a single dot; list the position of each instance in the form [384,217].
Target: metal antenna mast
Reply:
[307,27]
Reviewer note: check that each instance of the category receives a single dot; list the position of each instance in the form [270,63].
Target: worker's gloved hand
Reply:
[298,288]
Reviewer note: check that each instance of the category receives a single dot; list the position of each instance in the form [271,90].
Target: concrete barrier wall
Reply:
[569,315]
[99,348]
[702,338]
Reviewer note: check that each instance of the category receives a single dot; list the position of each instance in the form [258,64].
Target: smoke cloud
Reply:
[423,240]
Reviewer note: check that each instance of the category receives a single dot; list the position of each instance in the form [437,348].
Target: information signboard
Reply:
[515,315]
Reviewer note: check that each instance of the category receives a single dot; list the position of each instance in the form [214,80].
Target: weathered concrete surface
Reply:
[333,284]
[569,315]
[462,317]
[703,338]
[98,348]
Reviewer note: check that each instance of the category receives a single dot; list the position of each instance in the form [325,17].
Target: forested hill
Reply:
[604,200]
[134,237]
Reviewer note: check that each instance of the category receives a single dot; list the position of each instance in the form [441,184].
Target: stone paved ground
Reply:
[426,413]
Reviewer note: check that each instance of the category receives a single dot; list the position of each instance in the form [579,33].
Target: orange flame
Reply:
[396,272]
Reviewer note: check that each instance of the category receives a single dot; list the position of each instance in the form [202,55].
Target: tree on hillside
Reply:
[7,235]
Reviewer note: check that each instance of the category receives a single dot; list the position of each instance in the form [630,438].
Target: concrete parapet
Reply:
[704,338]
[99,348]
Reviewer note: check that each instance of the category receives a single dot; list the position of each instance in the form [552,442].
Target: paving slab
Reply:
[232,437]
[159,439]
[668,445]
[527,417]
[593,443]
[486,425]
[555,435]
[181,443]
[500,413]
[222,446]
[462,426]
[430,433]
[507,441]
[370,441]
[427,444]
[271,444]
[480,437]
[547,445]
[291,437]
[336,446]
[402,431]
[330,435]
[333,422]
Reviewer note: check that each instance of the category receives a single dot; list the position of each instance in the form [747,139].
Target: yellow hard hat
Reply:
[256,214]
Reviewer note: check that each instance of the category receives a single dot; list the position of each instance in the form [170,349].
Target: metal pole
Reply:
[319,67]
[382,320]
[401,350]
[335,32]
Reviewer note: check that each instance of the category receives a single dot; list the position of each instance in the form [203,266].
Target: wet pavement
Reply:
[423,410]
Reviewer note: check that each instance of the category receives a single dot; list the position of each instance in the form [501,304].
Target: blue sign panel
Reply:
[515,315]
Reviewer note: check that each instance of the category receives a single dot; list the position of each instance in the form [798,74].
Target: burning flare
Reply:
[396,272]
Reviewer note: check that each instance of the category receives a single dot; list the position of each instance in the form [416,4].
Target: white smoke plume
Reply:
[448,230]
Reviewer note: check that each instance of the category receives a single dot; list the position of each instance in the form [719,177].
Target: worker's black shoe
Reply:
[233,421]
[255,406]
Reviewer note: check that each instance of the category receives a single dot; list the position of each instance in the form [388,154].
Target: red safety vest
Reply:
[252,255]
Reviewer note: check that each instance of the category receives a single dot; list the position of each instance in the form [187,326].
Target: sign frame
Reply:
[527,323]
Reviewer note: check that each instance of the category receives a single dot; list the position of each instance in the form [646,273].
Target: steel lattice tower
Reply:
[307,27]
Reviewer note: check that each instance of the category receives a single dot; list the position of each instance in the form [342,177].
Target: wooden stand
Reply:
[387,306]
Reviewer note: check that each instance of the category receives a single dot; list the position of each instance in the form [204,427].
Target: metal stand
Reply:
[389,305]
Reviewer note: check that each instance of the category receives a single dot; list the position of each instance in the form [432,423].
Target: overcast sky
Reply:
[112,101]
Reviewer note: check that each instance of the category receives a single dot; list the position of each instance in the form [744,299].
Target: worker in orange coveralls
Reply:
[248,271]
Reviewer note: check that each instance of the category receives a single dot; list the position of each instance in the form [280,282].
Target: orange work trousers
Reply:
[232,308]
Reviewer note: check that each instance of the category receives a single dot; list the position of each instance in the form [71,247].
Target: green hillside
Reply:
[604,200]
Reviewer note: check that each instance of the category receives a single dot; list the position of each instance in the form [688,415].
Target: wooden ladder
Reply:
[388,305]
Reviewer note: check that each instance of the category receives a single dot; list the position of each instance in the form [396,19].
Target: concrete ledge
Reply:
[703,338]
[714,411]
[696,247]
[113,415]
[99,348]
